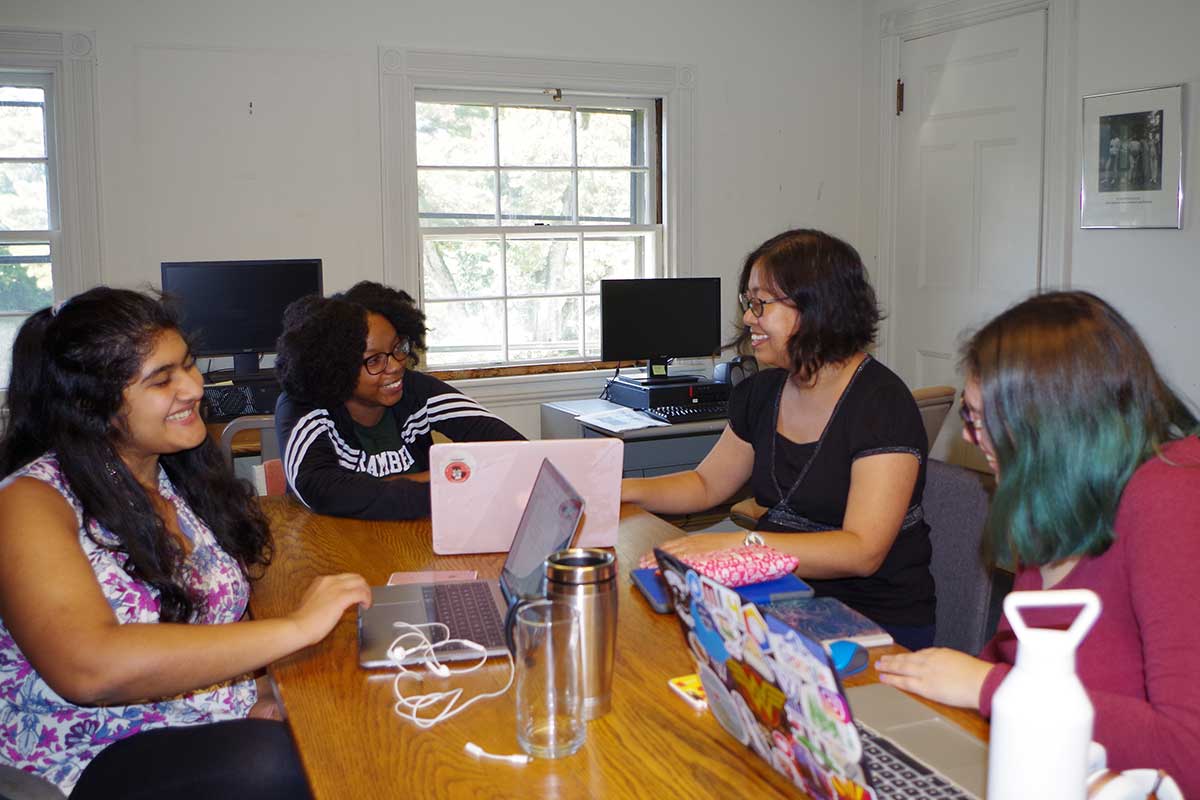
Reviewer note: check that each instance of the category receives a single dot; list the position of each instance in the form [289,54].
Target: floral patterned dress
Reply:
[40,732]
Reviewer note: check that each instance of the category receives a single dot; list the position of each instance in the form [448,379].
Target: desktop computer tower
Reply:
[634,394]
[226,401]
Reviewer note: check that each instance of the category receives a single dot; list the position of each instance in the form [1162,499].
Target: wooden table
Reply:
[352,745]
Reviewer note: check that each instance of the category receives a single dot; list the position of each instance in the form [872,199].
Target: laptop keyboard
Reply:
[897,774]
[468,610]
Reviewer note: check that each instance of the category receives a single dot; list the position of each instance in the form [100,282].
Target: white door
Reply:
[969,203]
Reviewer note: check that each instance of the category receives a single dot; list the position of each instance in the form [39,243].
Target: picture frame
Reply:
[1133,159]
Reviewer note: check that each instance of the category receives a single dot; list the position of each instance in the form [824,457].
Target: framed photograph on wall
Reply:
[1133,159]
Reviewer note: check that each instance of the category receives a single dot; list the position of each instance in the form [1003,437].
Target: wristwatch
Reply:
[752,538]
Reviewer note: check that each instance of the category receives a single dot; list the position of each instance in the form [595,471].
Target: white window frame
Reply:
[64,64]
[579,231]
[404,72]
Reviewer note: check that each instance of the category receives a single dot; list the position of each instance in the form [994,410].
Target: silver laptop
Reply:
[476,610]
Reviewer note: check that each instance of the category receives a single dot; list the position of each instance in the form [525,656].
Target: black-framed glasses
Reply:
[971,424]
[755,304]
[377,363]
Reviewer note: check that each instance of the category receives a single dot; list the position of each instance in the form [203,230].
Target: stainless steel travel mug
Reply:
[587,579]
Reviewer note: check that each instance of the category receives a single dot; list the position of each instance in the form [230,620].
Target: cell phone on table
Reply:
[654,588]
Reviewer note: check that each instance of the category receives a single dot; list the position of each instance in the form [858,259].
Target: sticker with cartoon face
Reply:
[720,700]
[679,596]
[758,734]
[459,468]
[706,633]
[755,643]
[458,471]
[834,734]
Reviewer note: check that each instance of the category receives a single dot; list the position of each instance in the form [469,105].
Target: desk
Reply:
[352,745]
[656,450]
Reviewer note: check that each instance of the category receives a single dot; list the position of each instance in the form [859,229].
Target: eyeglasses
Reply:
[378,362]
[755,304]
[971,425]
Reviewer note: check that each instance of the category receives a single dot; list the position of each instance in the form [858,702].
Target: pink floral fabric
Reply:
[40,732]
[740,565]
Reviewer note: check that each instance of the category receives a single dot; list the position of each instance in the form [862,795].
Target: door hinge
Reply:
[899,97]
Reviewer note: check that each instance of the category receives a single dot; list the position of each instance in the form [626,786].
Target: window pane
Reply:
[22,132]
[464,332]
[542,265]
[541,197]
[611,196]
[23,197]
[535,137]
[452,135]
[447,197]
[545,329]
[462,268]
[610,138]
[591,317]
[8,332]
[23,94]
[612,257]
[25,278]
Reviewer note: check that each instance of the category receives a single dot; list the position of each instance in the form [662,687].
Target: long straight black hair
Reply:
[70,367]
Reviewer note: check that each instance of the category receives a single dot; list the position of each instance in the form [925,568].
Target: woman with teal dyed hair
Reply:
[1098,487]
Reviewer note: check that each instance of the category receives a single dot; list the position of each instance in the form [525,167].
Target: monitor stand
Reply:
[245,370]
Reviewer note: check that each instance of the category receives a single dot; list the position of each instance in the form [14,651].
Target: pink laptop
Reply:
[479,489]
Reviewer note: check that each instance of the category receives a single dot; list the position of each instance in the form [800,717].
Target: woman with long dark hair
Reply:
[830,440]
[126,546]
[1098,487]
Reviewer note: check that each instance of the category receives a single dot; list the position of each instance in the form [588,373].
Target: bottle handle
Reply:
[1086,599]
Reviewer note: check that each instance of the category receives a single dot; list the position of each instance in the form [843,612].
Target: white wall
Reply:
[187,172]
[1152,276]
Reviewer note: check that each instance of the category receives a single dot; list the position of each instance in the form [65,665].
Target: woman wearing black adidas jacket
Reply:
[354,421]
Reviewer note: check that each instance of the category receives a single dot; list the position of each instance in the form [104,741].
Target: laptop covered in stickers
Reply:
[776,691]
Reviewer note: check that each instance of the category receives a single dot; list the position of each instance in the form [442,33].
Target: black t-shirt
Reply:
[876,414]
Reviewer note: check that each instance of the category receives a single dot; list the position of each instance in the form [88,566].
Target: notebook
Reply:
[828,619]
[476,610]
[776,691]
[478,489]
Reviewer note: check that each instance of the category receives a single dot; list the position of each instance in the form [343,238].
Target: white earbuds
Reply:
[419,644]
[479,752]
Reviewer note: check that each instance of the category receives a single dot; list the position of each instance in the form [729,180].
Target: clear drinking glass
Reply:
[550,720]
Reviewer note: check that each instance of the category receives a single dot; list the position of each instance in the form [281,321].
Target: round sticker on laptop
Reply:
[458,471]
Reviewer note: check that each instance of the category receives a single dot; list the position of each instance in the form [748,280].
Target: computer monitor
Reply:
[659,319]
[235,308]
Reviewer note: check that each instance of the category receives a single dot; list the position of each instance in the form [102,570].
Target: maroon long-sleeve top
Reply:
[1138,664]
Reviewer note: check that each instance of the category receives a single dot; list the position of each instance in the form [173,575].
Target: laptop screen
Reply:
[551,516]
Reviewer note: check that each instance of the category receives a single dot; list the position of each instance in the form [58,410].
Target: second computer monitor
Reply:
[658,319]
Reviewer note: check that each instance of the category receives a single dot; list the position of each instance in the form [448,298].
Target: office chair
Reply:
[263,423]
[934,403]
[969,592]
[17,784]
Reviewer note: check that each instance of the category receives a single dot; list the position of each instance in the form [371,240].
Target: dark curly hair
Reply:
[826,281]
[70,368]
[320,350]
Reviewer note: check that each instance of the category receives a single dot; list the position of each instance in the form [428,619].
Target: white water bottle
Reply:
[1041,715]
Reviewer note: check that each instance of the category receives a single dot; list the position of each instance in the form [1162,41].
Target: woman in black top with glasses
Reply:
[830,440]
[355,421]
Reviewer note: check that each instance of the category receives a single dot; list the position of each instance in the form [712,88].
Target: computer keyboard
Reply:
[468,610]
[895,773]
[693,412]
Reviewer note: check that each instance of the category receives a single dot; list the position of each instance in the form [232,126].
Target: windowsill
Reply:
[524,385]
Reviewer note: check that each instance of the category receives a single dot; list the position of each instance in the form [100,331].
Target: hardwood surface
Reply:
[353,746]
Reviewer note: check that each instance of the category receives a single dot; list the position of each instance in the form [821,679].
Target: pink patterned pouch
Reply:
[742,565]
